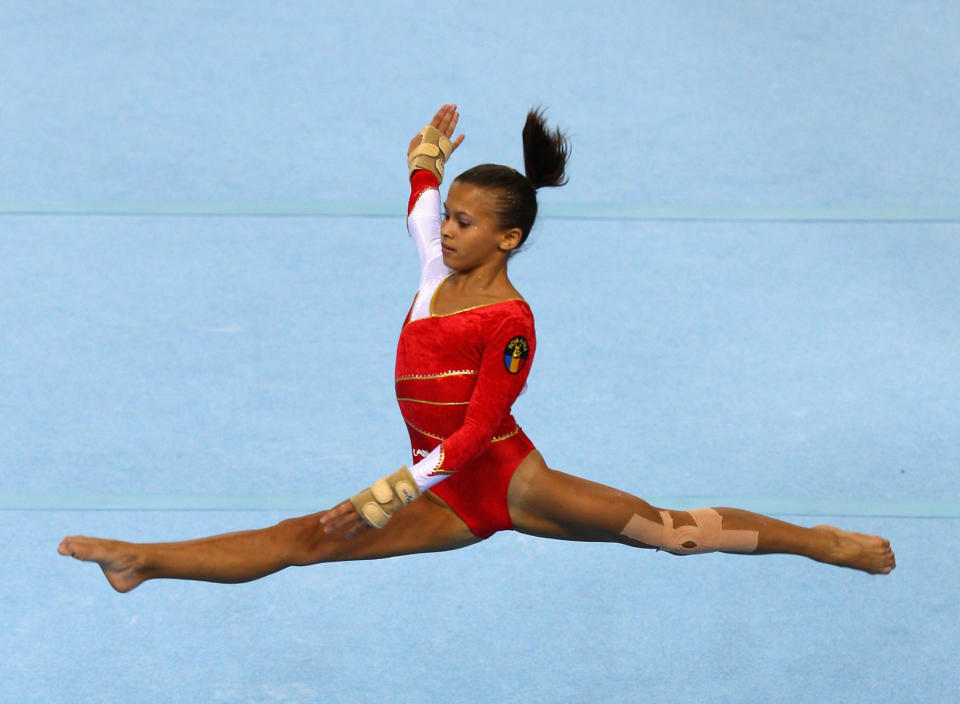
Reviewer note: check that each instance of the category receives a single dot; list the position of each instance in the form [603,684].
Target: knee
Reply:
[676,532]
[307,542]
[690,533]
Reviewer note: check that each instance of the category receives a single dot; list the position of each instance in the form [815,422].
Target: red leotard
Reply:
[456,378]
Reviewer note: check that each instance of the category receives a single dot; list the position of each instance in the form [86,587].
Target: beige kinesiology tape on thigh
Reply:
[432,153]
[706,535]
[379,502]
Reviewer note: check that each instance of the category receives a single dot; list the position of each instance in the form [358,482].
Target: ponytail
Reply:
[545,155]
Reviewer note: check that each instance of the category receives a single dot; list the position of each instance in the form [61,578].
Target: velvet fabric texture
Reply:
[457,377]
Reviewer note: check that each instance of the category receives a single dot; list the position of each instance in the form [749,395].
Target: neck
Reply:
[481,279]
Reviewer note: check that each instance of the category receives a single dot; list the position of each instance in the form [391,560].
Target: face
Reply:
[470,233]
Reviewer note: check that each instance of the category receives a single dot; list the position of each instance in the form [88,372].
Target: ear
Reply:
[510,239]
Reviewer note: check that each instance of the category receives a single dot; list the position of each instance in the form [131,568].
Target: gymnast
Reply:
[464,354]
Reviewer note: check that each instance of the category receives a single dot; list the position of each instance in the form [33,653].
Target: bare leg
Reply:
[424,526]
[552,504]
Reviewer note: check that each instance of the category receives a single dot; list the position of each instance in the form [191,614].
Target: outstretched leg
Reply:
[426,525]
[552,504]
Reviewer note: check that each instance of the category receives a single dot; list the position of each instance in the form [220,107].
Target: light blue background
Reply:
[762,347]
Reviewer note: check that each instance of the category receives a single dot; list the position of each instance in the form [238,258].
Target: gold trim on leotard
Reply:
[508,435]
[498,438]
[459,372]
[435,403]
[433,300]
[465,310]
[435,472]
[424,432]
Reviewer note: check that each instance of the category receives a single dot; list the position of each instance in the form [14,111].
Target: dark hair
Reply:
[545,155]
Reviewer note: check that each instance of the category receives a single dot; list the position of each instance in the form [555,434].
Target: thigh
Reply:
[552,504]
[426,525]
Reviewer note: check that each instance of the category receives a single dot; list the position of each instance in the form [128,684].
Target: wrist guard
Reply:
[378,503]
[432,153]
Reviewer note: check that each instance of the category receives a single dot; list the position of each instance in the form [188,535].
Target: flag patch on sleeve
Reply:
[515,354]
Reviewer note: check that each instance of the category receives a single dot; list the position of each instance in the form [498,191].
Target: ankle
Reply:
[827,543]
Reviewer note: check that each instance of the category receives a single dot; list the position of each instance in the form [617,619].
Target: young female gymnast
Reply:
[464,354]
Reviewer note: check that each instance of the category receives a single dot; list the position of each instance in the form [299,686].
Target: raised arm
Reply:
[426,156]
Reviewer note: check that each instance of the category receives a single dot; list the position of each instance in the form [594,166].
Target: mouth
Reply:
[446,249]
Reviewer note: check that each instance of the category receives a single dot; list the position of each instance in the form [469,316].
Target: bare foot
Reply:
[119,561]
[869,553]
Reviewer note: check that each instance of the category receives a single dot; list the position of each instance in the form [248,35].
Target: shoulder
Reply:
[519,309]
[511,309]
[510,319]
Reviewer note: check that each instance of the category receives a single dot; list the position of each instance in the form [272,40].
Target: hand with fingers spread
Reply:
[431,148]
[373,507]
[344,517]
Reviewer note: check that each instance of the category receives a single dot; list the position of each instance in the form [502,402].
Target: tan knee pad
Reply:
[706,535]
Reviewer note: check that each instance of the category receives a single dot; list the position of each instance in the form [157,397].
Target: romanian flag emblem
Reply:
[515,354]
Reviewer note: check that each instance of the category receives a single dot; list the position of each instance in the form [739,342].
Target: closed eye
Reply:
[462,222]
